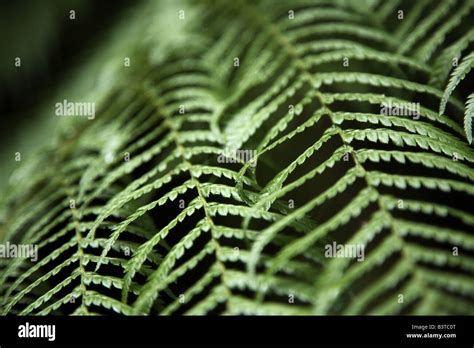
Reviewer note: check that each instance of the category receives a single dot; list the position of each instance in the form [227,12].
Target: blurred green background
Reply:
[51,46]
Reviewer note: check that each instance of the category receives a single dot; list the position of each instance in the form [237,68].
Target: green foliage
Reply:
[458,74]
[134,213]
[468,117]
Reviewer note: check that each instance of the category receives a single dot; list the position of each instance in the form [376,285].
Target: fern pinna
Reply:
[355,120]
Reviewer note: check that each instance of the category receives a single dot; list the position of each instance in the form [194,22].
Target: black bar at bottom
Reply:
[452,331]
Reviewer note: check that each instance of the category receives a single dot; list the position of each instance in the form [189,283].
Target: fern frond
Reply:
[469,115]
[151,209]
[458,74]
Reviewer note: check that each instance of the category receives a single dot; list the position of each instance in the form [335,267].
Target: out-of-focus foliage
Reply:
[138,212]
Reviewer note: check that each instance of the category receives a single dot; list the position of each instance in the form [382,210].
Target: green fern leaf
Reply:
[223,166]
